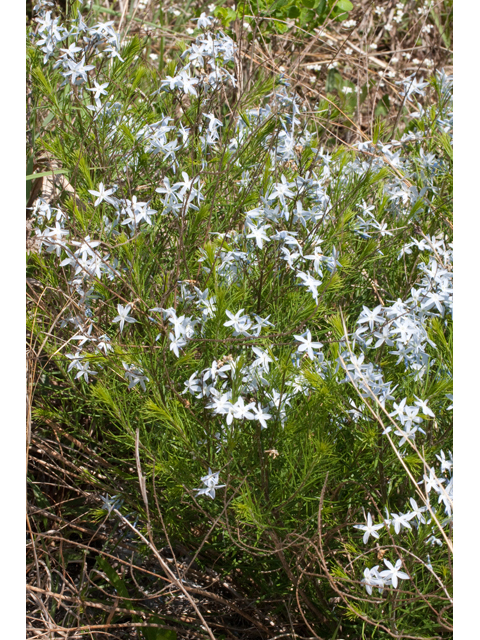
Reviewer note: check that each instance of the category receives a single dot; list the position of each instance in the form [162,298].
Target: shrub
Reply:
[263,324]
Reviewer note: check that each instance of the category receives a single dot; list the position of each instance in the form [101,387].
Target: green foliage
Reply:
[308,14]
[328,455]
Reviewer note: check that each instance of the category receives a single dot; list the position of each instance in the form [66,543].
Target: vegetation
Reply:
[239,275]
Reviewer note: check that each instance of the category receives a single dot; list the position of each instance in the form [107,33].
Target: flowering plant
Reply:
[221,286]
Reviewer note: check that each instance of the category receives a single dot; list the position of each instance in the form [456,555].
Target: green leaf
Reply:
[334,81]
[363,93]
[43,174]
[344,5]
[41,79]
[128,54]
[127,133]
[115,580]
[446,144]
[159,412]
[293,12]
[225,14]
[29,168]
[103,394]
[321,7]
[47,121]
[150,633]
[383,106]
[306,17]
[85,171]
[141,71]
[277,5]
[280,27]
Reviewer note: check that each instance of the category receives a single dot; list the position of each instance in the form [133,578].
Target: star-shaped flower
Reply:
[103,194]
[211,483]
[393,573]
[123,315]
[369,528]
[308,345]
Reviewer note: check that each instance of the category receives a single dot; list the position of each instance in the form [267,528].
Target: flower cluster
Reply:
[418,515]
[404,324]
[211,484]
[381,579]
[206,65]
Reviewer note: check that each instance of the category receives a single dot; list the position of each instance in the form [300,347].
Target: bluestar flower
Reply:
[417,512]
[393,573]
[84,370]
[263,359]
[372,579]
[240,323]
[204,21]
[99,90]
[446,465]
[307,344]
[261,416]
[111,502]
[123,315]
[242,410]
[311,283]
[401,520]
[370,529]
[211,484]
[78,70]
[103,194]
[104,344]
[259,234]
[411,86]
[135,376]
